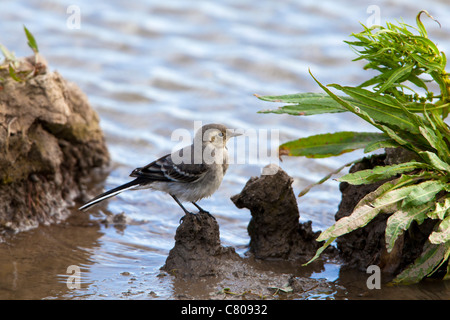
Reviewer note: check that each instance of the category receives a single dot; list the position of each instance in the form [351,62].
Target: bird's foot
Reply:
[201,210]
[196,216]
[187,213]
[209,214]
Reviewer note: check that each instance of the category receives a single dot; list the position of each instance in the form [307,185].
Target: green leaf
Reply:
[328,176]
[384,198]
[350,107]
[400,221]
[423,31]
[9,56]
[442,235]
[432,256]
[320,250]
[423,192]
[381,172]
[375,145]
[306,104]
[434,160]
[298,98]
[13,74]
[427,63]
[394,136]
[440,210]
[383,109]
[31,41]
[303,110]
[329,144]
[436,141]
[397,75]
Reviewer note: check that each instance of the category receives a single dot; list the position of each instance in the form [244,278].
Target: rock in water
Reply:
[50,140]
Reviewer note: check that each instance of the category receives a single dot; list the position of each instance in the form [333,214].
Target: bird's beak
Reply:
[233,133]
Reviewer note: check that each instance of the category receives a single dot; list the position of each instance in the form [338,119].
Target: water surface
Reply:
[150,67]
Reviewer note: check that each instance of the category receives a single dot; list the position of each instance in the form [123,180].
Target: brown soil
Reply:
[276,235]
[51,141]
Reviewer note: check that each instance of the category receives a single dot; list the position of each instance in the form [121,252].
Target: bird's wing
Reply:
[165,170]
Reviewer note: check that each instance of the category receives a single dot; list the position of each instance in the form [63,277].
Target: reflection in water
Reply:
[33,265]
[150,67]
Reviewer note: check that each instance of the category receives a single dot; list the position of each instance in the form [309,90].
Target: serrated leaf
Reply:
[329,144]
[381,172]
[304,110]
[305,104]
[400,221]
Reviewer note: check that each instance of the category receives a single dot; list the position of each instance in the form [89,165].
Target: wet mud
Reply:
[276,236]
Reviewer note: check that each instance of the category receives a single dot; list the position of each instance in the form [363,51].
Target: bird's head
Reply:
[216,134]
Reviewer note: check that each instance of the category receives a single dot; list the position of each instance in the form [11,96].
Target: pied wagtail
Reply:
[189,174]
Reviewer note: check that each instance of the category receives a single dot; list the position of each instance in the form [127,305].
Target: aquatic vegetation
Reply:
[398,101]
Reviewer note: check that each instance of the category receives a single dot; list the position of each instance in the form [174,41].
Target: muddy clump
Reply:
[366,246]
[274,229]
[198,251]
[277,243]
[51,141]
[217,272]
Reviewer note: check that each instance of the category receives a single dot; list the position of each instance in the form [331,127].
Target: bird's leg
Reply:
[182,207]
[199,208]
[202,210]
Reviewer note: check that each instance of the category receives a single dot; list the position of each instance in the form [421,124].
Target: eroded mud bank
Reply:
[51,142]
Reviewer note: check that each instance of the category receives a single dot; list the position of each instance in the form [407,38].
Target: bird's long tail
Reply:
[111,193]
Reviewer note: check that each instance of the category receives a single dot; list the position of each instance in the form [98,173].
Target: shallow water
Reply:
[151,67]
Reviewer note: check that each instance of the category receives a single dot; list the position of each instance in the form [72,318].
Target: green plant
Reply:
[400,104]
[17,69]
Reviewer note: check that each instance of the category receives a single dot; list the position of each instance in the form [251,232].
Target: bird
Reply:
[188,174]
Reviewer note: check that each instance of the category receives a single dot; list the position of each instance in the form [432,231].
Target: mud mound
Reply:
[274,229]
[198,251]
[50,140]
[278,240]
